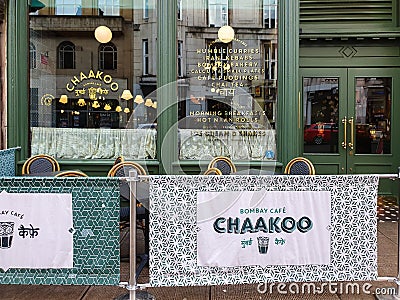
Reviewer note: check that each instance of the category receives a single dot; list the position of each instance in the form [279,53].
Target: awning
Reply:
[36,5]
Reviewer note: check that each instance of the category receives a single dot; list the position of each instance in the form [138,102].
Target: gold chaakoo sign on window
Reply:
[79,80]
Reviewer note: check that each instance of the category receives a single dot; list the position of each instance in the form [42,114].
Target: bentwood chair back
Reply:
[224,164]
[300,166]
[122,169]
[119,159]
[71,174]
[41,163]
[213,171]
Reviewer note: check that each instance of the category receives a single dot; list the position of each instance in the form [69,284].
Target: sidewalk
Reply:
[387,266]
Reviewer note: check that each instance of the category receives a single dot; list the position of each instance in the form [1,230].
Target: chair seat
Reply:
[300,166]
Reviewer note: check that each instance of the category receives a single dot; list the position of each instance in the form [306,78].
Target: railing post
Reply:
[133,178]
[396,280]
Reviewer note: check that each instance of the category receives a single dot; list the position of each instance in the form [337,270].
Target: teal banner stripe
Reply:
[95,203]
[7,162]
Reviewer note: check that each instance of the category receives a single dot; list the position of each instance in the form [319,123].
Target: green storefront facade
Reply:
[338,72]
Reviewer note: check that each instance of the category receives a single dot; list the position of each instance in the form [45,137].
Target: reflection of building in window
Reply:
[68,7]
[66,55]
[271,60]
[109,7]
[180,59]
[107,57]
[179,12]
[145,57]
[270,10]
[216,60]
[217,13]
[145,9]
[271,77]
[32,55]
[34,107]
[74,114]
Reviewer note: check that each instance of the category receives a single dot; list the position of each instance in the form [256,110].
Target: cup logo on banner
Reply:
[36,223]
[263,228]
[263,242]
[6,234]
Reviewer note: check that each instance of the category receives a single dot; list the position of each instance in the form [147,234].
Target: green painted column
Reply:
[167,135]
[289,107]
[17,76]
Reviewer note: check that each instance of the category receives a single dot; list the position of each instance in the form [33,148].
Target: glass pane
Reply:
[373,115]
[228,91]
[321,113]
[89,97]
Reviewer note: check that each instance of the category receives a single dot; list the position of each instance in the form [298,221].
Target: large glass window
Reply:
[179,10]
[32,55]
[109,7]
[217,13]
[227,100]
[180,59]
[89,92]
[270,11]
[145,59]
[321,114]
[95,90]
[145,9]
[66,55]
[108,57]
[68,7]
[373,115]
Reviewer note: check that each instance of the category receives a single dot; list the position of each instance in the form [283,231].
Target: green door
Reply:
[350,119]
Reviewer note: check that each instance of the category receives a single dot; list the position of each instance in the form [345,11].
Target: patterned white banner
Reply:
[36,231]
[263,228]
[174,229]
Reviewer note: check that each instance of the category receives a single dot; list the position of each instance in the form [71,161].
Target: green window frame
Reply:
[288,129]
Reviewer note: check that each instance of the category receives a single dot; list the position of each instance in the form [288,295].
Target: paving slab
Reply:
[42,292]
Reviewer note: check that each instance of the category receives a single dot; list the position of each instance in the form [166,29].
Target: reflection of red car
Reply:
[320,133]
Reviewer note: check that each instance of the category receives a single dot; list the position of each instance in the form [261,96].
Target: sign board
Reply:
[86,211]
[36,231]
[251,228]
[342,209]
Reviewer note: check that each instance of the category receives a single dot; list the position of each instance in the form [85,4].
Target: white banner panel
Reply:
[263,228]
[36,230]
[175,229]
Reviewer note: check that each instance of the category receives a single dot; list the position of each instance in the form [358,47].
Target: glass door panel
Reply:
[321,114]
[373,115]
[348,119]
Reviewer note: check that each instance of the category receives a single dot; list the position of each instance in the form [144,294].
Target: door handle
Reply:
[351,123]
[344,122]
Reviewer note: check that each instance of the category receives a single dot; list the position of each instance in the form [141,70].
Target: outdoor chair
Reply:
[41,163]
[71,174]
[224,164]
[213,171]
[300,166]
[122,170]
[119,159]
